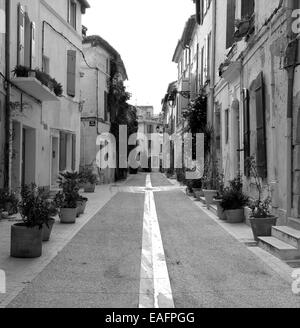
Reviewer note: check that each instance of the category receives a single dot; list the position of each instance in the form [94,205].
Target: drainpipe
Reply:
[212,72]
[290,65]
[7,147]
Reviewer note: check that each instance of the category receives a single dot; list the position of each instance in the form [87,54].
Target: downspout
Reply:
[212,73]
[290,65]
[7,147]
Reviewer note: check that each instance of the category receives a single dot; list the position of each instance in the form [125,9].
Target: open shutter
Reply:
[21,35]
[71,73]
[247,8]
[261,127]
[73,152]
[63,152]
[230,23]
[33,36]
[246,109]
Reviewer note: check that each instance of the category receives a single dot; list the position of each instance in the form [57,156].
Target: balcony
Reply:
[35,88]
[37,84]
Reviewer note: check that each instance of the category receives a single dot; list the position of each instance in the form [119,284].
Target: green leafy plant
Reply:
[87,176]
[9,201]
[35,207]
[44,78]
[233,197]
[260,208]
[69,183]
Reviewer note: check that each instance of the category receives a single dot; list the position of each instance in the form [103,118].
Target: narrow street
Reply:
[119,259]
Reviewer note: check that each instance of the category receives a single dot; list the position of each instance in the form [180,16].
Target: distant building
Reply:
[96,71]
[150,124]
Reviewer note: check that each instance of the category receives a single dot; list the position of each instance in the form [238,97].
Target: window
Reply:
[208,51]
[226,126]
[230,30]
[72,12]
[71,73]
[21,34]
[202,67]
[247,8]
[46,65]
[105,106]
[73,152]
[261,156]
[149,129]
[247,132]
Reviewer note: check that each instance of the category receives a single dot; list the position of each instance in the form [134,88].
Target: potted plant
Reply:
[89,180]
[81,205]
[9,201]
[36,211]
[209,181]
[218,199]
[196,186]
[67,198]
[234,201]
[169,173]
[261,219]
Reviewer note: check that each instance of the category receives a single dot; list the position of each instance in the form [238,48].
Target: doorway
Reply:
[54,160]
[28,163]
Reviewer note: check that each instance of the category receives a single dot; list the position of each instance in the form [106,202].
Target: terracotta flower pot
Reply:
[89,188]
[47,229]
[221,213]
[198,193]
[26,242]
[235,216]
[209,196]
[262,227]
[81,205]
[68,215]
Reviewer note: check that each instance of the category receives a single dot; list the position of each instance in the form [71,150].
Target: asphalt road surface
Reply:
[205,266]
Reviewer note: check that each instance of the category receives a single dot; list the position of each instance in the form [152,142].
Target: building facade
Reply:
[46,42]
[150,125]
[96,71]
[244,56]
[2,89]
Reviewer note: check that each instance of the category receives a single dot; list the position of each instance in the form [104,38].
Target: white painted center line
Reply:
[155,287]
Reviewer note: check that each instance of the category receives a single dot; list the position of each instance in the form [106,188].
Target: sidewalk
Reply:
[243,233]
[20,272]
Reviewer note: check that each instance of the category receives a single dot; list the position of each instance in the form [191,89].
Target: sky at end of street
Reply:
[145,33]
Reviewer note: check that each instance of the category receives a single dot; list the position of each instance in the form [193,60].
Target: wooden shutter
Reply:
[21,35]
[63,152]
[73,152]
[230,23]
[247,8]
[247,132]
[33,37]
[261,127]
[71,73]
[198,12]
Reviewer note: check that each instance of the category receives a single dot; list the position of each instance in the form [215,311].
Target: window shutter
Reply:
[71,73]
[261,127]
[63,152]
[33,36]
[201,11]
[198,12]
[73,152]
[247,8]
[230,23]
[247,131]
[105,107]
[21,35]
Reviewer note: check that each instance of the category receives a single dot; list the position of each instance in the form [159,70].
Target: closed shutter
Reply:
[247,8]
[247,132]
[21,35]
[230,23]
[63,152]
[198,12]
[71,73]
[261,127]
[33,36]
[73,152]
[205,61]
